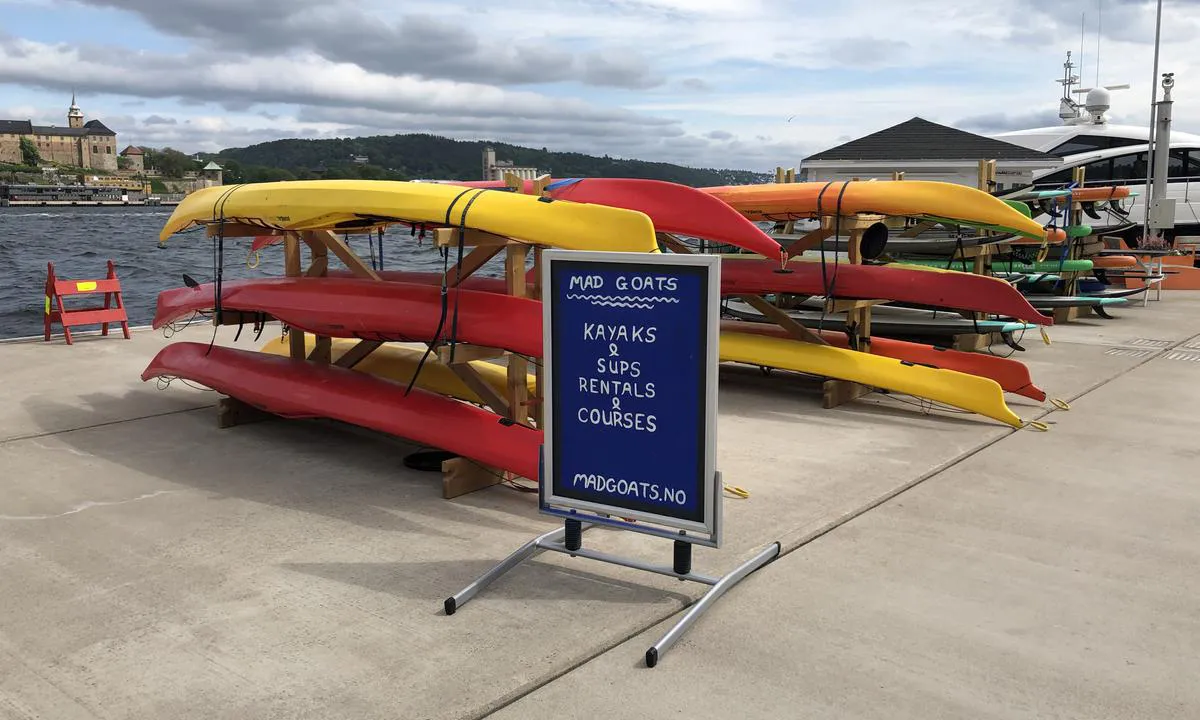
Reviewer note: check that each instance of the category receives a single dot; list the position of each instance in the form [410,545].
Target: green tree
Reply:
[29,153]
[168,161]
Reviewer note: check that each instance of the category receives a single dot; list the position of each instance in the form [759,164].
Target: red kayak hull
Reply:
[673,208]
[957,291]
[1009,374]
[302,389]
[371,310]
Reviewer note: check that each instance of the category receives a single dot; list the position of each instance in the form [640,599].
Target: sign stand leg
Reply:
[523,553]
[718,589]
[569,541]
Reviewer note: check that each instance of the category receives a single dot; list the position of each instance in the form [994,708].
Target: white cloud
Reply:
[753,84]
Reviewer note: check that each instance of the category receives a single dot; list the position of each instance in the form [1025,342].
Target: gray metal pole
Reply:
[1162,143]
[1153,120]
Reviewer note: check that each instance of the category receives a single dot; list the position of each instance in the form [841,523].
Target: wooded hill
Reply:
[429,157]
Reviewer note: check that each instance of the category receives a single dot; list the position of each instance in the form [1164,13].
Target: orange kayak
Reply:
[1096,194]
[1009,374]
[928,200]
[1112,262]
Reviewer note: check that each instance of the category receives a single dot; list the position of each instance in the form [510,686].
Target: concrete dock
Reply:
[936,565]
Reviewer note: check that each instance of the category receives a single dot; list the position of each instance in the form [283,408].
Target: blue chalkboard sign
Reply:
[630,379]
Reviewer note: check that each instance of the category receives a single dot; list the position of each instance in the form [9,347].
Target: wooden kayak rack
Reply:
[459,475]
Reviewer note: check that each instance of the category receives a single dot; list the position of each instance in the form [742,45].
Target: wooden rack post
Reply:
[461,476]
[858,312]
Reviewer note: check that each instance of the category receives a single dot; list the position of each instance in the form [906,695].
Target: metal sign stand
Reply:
[569,540]
[652,322]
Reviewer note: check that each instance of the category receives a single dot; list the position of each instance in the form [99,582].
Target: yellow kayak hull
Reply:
[968,392]
[931,200]
[359,205]
[398,363]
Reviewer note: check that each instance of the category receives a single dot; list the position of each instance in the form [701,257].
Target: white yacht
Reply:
[1112,155]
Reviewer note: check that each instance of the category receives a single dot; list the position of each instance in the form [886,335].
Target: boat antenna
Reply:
[1099,25]
[1082,37]
[1068,109]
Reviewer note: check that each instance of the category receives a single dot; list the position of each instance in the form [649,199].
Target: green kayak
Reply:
[1047,266]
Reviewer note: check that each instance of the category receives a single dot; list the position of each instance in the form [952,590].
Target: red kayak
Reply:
[301,389]
[673,208]
[479,283]
[957,291]
[1012,375]
[371,310]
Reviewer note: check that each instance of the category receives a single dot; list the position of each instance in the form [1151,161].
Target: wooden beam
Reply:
[537,410]
[461,476]
[474,260]
[291,268]
[356,354]
[448,237]
[518,367]
[919,228]
[237,230]
[809,241]
[465,353]
[232,412]
[344,253]
[322,352]
[318,268]
[836,306]
[319,264]
[675,244]
[782,319]
[840,392]
[481,387]
[240,317]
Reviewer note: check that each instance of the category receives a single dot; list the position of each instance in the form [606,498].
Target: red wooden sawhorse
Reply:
[113,310]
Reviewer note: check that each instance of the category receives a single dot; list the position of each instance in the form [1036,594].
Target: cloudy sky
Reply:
[729,83]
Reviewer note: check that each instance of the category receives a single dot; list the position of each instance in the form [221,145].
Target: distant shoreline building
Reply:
[925,150]
[135,157]
[494,169]
[89,144]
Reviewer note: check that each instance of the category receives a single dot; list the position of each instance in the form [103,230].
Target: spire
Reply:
[74,114]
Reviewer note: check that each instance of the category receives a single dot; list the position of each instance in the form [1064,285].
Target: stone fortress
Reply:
[81,144]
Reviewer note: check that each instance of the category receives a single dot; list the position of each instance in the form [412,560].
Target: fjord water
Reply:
[81,240]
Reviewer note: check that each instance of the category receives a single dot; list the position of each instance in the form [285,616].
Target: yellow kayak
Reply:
[359,205]
[969,392]
[399,362]
[925,199]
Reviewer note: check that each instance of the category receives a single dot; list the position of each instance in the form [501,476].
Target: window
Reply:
[1088,143]
[1129,169]
[95,149]
[108,151]
[1098,171]
[1184,163]
[1061,177]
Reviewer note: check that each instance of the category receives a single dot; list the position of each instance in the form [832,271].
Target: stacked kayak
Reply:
[374,310]
[359,205]
[406,306]
[937,201]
